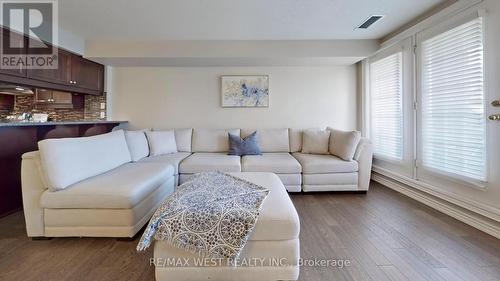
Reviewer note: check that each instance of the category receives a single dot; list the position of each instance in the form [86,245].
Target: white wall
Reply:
[70,41]
[300,97]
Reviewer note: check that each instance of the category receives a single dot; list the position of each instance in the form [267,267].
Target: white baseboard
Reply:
[473,219]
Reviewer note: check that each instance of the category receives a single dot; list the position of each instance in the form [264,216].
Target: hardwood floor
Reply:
[385,236]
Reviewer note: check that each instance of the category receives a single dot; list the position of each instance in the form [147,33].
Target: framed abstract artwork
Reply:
[245,90]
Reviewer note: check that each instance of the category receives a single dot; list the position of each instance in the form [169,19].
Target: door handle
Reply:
[494,117]
[495,103]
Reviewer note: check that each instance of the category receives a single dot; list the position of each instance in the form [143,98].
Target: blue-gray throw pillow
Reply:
[246,146]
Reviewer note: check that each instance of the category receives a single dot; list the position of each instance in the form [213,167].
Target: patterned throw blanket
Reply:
[212,215]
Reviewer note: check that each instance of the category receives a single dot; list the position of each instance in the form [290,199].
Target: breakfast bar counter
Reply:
[57,123]
[17,138]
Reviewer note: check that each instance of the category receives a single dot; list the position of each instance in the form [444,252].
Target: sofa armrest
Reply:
[32,189]
[364,156]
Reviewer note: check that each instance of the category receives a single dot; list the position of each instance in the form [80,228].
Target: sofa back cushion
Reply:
[137,144]
[183,139]
[343,144]
[212,140]
[161,142]
[315,141]
[70,160]
[295,140]
[270,140]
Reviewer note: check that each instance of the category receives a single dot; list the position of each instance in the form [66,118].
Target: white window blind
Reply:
[452,96]
[386,86]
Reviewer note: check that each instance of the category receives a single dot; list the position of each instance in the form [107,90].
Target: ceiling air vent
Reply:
[371,20]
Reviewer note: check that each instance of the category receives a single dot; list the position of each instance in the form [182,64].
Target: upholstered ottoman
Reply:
[271,253]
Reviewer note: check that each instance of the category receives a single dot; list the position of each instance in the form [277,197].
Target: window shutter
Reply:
[386,130]
[452,98]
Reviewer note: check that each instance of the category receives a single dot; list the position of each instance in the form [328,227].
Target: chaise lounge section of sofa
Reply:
[89,187]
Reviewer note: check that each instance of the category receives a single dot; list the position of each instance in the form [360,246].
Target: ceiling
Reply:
[236,19]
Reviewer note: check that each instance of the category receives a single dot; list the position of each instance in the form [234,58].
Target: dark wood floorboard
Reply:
[384,235]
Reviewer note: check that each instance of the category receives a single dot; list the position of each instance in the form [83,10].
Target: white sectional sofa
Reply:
[110,185]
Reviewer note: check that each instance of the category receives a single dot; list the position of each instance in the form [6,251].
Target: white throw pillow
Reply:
[343,144]
[161,142]
[137,144]
[70,160]
[315,141]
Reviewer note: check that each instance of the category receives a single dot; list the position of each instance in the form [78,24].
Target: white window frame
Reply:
[439,178]
[404,166]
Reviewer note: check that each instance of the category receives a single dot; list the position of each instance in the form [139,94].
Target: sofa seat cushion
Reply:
[120,188]
[173,159]
[278,219]
[279,163]
[105,222]
[207,162]
[324,164]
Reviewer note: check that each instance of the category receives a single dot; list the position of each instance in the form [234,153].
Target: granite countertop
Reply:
[55,123]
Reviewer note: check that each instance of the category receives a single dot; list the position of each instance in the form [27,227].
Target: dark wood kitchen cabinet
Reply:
[56,99]
[43,96]
[61,75]
[87,74]
[73,74]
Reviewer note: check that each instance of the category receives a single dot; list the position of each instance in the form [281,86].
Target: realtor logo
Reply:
[29,35]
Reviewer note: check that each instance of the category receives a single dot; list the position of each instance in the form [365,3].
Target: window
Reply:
[452,102]
[386,107]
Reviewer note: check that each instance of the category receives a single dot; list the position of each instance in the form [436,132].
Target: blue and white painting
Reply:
[245,91]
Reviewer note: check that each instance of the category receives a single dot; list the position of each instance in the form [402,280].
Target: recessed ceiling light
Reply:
[19,89]
[371,20]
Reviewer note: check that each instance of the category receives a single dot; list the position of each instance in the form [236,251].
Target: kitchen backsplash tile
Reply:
[93,107]
[91,111]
